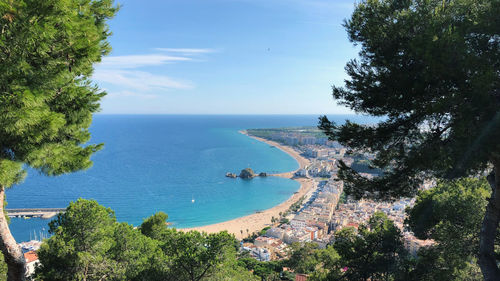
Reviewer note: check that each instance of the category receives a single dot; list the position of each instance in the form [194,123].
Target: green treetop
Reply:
[373,252]
[192,255]
[450,214]
[47,52]
[89,244]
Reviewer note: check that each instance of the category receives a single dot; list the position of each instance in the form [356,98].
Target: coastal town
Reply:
[324,209]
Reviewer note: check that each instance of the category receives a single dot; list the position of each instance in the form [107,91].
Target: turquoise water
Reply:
[156,163]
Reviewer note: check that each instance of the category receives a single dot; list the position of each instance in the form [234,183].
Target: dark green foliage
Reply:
[266,270]
[374,252]
[303,258]
[155,225]
[432,264]
[232,270]
[196,255]
[451,214]
[250,238]
[284,220]
[363,165]
[450,208]
[431,68]
[296,206]
[343,198]
[264,230]
[47,51]
[88,244]
[330,266]
[192,255]
[287,275]
[3,269]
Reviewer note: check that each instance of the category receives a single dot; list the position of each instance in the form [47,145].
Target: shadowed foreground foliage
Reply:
[451,214]
[89,244]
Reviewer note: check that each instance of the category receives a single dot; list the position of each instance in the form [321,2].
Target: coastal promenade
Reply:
[44,213]
[243,226]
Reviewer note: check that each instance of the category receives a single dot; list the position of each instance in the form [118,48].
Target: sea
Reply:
[170,163]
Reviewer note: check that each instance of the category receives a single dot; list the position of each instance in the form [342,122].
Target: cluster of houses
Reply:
[322,169]
[324,160]
[354,213]
[310,224]
[266,248]
[322,215]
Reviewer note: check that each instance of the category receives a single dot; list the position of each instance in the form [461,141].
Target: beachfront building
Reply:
[276,232]
[297,236]
[322,168]
[298,222]
[276,247]
[32,262]
[261,254]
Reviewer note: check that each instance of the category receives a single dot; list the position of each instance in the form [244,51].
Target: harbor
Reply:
[44,213]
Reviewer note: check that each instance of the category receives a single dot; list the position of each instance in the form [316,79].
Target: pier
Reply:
[44,213]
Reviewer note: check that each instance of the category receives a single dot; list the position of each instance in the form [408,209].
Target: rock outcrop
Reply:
[231,175]
[262,174]
[247,173]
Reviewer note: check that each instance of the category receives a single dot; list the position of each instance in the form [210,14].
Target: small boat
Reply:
[192,200]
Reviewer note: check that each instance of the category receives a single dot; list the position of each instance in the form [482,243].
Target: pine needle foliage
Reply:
[47,52]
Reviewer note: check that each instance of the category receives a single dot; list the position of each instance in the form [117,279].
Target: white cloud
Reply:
[139,80]
[122,74]
[137,61]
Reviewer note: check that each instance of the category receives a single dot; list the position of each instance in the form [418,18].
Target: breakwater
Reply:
[44,213]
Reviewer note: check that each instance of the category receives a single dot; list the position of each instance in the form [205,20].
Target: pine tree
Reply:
[431,70]
[47,51]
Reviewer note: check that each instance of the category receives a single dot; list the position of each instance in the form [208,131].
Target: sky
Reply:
[226,57]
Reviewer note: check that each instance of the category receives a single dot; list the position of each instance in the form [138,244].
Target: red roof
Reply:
[30,256]
[300,277]
[352,224]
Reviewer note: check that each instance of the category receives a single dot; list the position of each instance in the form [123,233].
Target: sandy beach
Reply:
[256,222]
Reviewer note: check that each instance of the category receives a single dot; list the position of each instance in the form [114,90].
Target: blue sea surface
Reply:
[154,163]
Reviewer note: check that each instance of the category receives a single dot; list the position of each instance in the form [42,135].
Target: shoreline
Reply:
[257,221]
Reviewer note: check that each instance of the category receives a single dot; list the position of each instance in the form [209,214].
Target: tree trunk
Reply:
[487,260]
[11,251]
